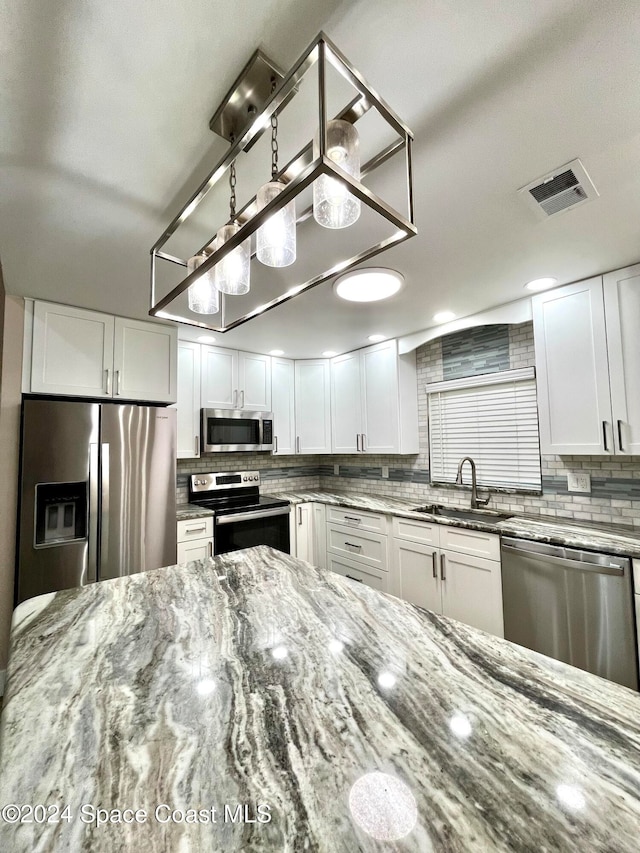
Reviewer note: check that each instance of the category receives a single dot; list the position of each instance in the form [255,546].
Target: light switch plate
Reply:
[579,482]
[385,472]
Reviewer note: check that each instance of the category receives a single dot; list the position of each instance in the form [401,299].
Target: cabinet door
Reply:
[472,591]
[380,398]
[622,310]
[304,532]
[219,378]
[283,405]
[72,351]
[188,400]
[574,402]
[199,549]
[346,404]
[313,406]
[417,572]
[254,382]
[145,361]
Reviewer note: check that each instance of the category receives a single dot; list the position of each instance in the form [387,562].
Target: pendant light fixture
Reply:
[333,119]
[232,273]
[333,205]
[203,293]
[276,238]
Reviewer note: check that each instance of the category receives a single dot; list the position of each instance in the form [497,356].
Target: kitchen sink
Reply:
[489,515]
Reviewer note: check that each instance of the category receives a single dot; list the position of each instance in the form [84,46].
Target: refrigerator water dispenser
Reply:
[61,513]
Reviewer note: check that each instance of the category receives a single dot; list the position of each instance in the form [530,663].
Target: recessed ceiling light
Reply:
[541,283]
[329,353]
[206,339]
[276,352]
[368,285]
[444,316]
[376,338]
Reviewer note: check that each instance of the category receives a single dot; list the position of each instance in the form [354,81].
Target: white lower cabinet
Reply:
[302,536]
[358,572]
[195,539]
[461,585]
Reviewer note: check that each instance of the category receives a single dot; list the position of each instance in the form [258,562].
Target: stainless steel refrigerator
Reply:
[97,493]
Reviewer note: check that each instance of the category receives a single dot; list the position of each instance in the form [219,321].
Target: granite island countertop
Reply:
[347,716]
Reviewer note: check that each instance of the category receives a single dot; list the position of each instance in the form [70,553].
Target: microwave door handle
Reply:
[92,560]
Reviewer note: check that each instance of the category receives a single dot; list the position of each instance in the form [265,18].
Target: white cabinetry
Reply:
[308,538]
[83,353]
[235,380]
[188,404]
[451,580]
[313,407]
[283,405]
[588,365]
[195,539]
[374,401]
[357,547]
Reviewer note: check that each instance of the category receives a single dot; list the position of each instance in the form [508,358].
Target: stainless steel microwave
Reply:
[226,430]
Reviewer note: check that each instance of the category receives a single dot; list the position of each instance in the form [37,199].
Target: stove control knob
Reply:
[244,479]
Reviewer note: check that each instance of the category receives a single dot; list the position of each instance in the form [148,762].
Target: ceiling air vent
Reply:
[562,189]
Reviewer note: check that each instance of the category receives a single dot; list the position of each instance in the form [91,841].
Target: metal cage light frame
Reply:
[298,174]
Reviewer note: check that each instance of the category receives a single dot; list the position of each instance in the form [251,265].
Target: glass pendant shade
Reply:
[276,238]
[333,205]
[203,294]
[232,272]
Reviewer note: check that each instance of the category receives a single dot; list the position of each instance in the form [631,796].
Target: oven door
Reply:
[227,430]
[258,527]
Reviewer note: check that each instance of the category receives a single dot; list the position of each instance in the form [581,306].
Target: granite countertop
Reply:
[590,535]
[186,512]
[344,715]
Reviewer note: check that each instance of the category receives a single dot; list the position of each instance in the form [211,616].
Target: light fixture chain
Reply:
[274,138]
[232,186]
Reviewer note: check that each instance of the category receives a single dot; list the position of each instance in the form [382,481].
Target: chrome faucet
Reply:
[475,500]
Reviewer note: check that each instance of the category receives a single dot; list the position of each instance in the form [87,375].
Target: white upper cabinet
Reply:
[219,378]
[83,353]
[145,361]
[188,400]
[254,382]
[588,365]
[283,405]
[622,314]
[235,380]
[313,406]
[374,401]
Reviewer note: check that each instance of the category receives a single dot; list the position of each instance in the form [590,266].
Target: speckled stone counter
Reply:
[258,683]
[186,512]
[595,537]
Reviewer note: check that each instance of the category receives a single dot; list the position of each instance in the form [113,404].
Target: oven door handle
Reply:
[249,516]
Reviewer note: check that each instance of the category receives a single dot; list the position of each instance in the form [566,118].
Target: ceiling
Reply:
[105,135]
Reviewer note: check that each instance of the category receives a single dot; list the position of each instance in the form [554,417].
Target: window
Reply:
[492,418]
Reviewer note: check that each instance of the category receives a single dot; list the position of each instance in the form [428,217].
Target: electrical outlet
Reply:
[578,482]
[336,470]
[385,472]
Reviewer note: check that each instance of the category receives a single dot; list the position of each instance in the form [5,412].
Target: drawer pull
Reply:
[211,549]
[351,578]
[434,560]
[442,567]
[195,529]
[353,518]
[351,545]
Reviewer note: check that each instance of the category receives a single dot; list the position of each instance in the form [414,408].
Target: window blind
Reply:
[492,418]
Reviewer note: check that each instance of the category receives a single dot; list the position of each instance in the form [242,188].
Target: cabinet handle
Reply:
[620,436]
[357,442]
[118,382]
[197,445]
[364,446]
[195,529]
[604,435]
[443,574]
[211,549]
[276,442]
[351,578]
[353,518]
[235,398]
[297,444]
[299,508]
[351,545]
[242,399]
[434,560]
[108,389]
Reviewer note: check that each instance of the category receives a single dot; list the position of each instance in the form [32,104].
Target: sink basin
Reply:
[489,515]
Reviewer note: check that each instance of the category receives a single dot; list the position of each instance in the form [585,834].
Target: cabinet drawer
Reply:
[356,518]
[199,549]
[195,528]
[364,547]
[363,574]
[416,531]
[474,542]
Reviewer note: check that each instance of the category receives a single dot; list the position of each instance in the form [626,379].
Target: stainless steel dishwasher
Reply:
[575,606]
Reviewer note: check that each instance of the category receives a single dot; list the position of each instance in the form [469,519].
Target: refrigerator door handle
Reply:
[92,560]
[104,510]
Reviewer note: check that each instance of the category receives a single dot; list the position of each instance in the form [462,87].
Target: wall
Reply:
[10,398]
[615,496]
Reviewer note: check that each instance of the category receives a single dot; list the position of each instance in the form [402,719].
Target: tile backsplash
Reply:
[615,482]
